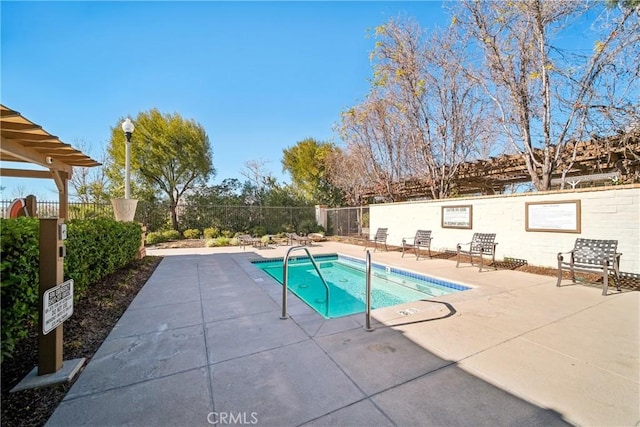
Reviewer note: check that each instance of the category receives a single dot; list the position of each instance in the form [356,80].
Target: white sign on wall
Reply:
[57,306]
[561,216]
[457,216]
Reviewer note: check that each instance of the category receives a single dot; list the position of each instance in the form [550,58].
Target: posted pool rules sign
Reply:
[57,306]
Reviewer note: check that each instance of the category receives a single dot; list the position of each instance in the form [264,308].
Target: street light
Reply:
[127,127]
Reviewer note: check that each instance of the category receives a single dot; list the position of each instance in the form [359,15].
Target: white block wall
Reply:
[606,213]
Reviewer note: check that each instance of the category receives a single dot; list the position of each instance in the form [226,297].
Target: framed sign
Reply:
[561,217]
[460,216]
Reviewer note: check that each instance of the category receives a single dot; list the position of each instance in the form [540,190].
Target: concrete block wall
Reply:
[606,213]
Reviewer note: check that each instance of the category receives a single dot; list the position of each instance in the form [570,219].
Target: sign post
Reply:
[52,253]
[54,307]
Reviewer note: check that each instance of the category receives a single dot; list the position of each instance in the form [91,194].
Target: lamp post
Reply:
[127,127]
[125,209]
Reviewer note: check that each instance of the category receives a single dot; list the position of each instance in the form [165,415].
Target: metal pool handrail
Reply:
[367,322]
[285,277]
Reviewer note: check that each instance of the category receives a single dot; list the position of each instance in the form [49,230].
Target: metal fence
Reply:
[272,219]
[157,216]
[348,221]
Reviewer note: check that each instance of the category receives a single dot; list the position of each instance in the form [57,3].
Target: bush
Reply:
[98,247]
[227,233]
[287,228]
[211,232]
[223,241]
[191,233]
[218,241]
[20,274]
[171,235]
[95,248]
[309,226]
[258,231]
[155,237]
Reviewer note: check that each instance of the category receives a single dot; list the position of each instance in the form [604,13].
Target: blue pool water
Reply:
[345,277]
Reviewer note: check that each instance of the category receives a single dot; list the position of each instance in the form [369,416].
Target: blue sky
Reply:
[259,76]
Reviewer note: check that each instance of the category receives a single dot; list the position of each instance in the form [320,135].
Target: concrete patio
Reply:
[203,343]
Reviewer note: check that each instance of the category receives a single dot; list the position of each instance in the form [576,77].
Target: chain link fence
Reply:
[352,222]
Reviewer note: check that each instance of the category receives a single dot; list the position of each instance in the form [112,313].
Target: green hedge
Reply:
[20,276]
[95,248]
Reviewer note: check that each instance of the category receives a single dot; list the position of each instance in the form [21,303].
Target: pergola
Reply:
[586,161]
[26,142]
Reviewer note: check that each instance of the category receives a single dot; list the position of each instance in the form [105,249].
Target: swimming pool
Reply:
[345,277]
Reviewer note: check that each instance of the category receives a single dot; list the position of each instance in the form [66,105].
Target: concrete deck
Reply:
[203,343]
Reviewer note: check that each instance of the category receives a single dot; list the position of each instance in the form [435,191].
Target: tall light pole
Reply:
[127,127]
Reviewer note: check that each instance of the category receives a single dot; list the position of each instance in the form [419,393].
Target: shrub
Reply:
[211,232]
[234,241]
[172,235]
[98,247]
[287,228]
[20,279]
[94,247]
[210,243]
[223,241]
[310,226]
[258,231]
[227,233]
[191,233]
[155,237]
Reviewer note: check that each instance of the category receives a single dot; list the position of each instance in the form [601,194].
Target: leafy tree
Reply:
[307,163]
[168,154]
[226,193]
[624,3]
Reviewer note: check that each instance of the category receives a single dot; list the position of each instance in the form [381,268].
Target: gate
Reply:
[353,222]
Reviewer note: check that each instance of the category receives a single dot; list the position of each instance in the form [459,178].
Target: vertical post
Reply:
[367,322]
[51,275]
[127,166]
[285,281]
[31,205]
[321,215]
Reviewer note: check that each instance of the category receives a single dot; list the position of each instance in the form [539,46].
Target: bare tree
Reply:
[423,117]
[547,96]
[346,170]
[376,137]
[259,181]
[90,184]
[452,123]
